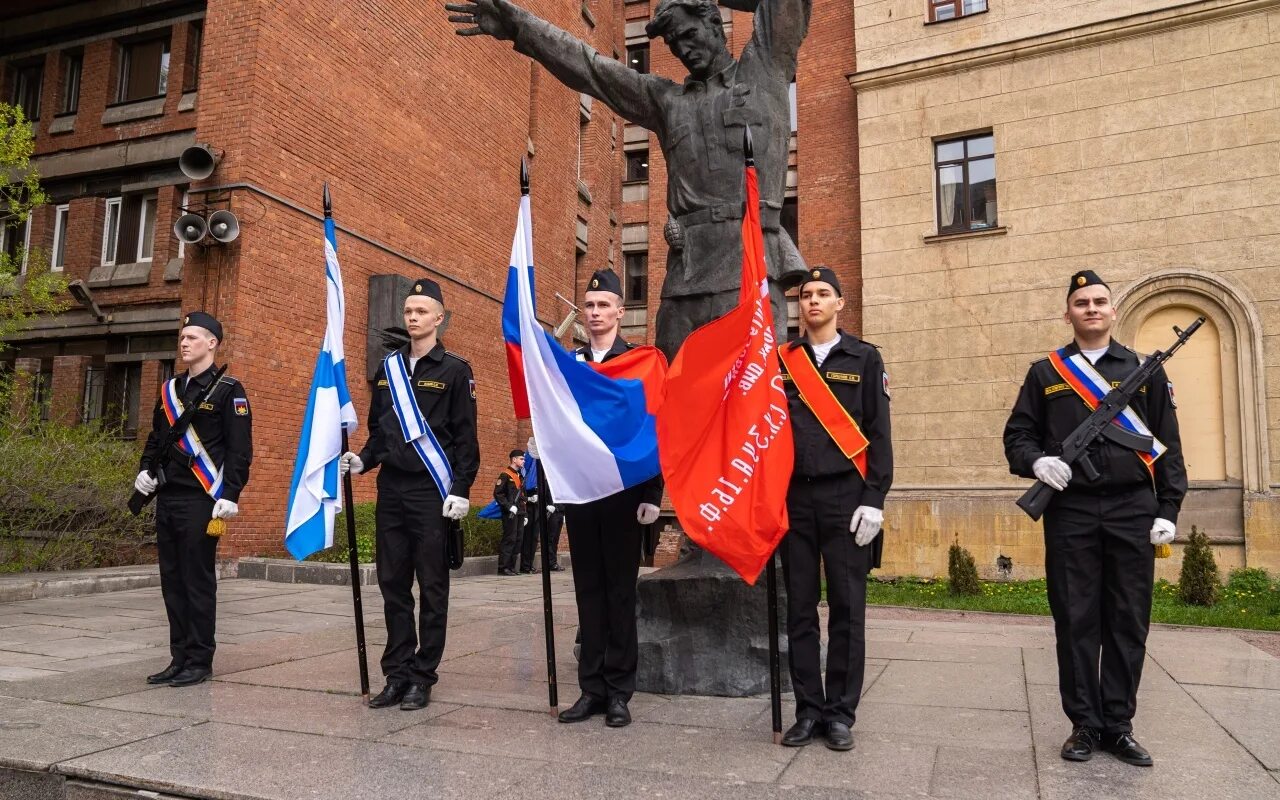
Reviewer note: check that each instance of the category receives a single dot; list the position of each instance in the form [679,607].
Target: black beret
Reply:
[1083,278]
[605,280]
[514,453]
[824,274]
[425,287]
[203,320]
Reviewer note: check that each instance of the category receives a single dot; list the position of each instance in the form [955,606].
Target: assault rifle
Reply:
[1101,423]
[170,440]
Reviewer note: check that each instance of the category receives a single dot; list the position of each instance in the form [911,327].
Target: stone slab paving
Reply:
[955,706]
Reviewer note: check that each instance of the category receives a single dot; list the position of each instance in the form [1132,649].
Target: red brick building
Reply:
[419,134]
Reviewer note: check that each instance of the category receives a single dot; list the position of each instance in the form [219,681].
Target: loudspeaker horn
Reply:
[190,228]
[224,226]
[198,161]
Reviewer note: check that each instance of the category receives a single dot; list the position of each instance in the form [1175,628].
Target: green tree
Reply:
[1198,585]
[22,297]
[962,571]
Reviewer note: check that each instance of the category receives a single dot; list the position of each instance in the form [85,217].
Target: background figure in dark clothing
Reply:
[186,502]
[508,491]
[1099,533]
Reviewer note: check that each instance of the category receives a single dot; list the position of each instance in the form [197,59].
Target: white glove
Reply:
[225,509]
[513,511]
[865,524]
[350,462]
[1053,471]
[145,483]
[533,498]
[456,507]
[551,510]
[532,447]
[647,514]
[1163,531]
[526,520]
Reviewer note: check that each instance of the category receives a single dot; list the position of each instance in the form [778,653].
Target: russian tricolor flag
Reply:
[595,428]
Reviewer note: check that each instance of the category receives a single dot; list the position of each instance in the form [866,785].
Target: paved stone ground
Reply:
[955,706]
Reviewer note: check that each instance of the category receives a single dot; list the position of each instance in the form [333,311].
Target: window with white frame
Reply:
[146,228]
[940,10]
[111,232]
[58,258]
[128,233]
[15,242]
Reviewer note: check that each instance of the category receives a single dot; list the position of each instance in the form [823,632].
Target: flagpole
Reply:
[548,619]
[350,516]
[775,654]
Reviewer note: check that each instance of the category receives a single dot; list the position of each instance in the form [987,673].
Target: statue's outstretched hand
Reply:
[482,18]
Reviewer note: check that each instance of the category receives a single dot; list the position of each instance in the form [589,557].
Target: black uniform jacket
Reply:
[508,492]
[652,488]
[225,429]
[1048,410]
[445,390]
[855,372]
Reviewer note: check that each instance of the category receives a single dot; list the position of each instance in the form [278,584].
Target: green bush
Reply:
[1253,586]
[962,572]
[1198,584]
[481,537]
[63,496]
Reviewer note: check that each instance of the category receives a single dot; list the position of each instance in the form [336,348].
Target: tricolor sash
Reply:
[203,467]
[1088,383]
[414,426]
[834,417]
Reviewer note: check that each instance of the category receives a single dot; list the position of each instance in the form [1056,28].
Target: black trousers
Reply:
[411,542]
[820,510]
[1100,567]
[604,540]
[188,582]
[529,540]
[509,547]
[555,522]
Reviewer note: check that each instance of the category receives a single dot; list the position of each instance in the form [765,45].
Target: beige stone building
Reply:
[1003,145]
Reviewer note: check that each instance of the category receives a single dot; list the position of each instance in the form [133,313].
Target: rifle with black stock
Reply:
[1101,424]
[138,500]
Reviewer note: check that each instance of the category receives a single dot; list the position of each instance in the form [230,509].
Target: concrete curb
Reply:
[286,570]
[36,585]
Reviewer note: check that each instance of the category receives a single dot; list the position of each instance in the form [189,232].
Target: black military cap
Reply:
[203,320]
[1083,278]
[824,274]
[605,280]
[425,287]
[514,453]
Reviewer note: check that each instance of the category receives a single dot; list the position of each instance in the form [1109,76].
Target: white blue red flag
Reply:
[594,424]
[315,493]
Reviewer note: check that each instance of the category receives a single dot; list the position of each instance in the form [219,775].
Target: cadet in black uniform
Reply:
[1098,535]
[604,546]
[835,504]
[186,504]
[411,506]
[509,494]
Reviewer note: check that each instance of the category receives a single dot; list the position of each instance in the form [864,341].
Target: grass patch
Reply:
[1248,601]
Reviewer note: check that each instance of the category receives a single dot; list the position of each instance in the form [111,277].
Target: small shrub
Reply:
[481,536]
[1198,584]
[962,571]
[1249,581]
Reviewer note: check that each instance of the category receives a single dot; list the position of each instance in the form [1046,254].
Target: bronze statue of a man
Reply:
[699,124]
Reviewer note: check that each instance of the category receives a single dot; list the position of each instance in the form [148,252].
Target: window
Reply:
[789,218]
[72,64]
[15,243]
[638,57]
[58,259]
[191,67]
[637,166]
[635,277]
[110,232]
[128,233]
[144,70]
[966,183]
[28,80]
[121,387]
[42,390]
[94,383]
[940,10]
[791,104]
[583,121]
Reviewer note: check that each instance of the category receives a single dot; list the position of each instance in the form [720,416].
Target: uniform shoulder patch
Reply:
[884,384]
[1172,400]
[241,406]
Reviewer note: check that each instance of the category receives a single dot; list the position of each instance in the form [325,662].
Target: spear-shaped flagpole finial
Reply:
[524,175]
[748,152]
[328,202]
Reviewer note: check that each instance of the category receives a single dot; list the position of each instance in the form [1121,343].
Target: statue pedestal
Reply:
[703,630]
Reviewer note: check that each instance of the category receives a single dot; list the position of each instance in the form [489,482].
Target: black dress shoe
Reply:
[801,733]
[165,675]
[839,737]
[1126,748]
[391,694]
[190,676]
[617,715]
[527,571]
[506,572]
[1080,745]
[557,568]
[584,709]
[415,697]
